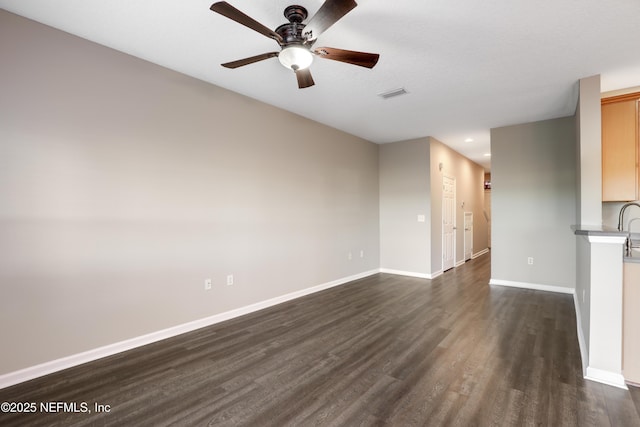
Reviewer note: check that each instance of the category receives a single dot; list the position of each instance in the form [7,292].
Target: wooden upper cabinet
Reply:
[620,146]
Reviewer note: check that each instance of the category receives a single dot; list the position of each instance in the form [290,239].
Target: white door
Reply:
[468,235]
[448,222]
[487,214]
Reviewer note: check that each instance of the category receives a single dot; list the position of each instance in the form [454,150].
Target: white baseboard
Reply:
[479,254]
[582,344]
[428,275]
[46,368]
[606,377]
[411,273]
[534,286]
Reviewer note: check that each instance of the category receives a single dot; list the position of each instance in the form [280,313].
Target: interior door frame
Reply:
[444,224]
[470,252]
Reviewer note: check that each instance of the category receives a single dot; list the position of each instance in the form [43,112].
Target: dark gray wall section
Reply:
[534,202]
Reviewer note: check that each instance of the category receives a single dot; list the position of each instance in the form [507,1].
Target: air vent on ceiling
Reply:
[392,93]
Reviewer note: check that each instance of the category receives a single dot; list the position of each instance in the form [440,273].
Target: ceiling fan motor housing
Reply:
[295,13]
[291,32]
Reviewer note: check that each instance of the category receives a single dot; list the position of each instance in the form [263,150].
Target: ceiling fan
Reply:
[296,39]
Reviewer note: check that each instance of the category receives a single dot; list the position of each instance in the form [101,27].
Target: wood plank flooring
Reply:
[384,350]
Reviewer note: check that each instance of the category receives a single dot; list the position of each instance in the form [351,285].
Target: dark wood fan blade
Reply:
[250,60]
[363,59]
[225,9]
[304,78]
[328,14]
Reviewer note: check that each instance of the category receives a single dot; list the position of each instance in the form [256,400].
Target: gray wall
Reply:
[405,194]
[589,163]
[533,177]
[124,185]
[589,196]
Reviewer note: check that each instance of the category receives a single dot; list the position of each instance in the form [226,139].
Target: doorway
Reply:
[448,222]
[468,236]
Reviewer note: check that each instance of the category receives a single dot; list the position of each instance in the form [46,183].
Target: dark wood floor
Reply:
[385,350]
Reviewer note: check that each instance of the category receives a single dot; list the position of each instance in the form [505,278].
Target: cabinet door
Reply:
[619,151]
[631,322]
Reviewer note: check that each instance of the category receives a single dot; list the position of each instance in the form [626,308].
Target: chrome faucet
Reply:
[621,225]
[621,214]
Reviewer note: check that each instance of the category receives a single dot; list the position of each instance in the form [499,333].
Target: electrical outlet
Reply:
[361,254]
[230,280]
[207,284]
[350,256]
[530,260]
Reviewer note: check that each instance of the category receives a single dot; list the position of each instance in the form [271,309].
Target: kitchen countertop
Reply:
[594,230]
[597,230]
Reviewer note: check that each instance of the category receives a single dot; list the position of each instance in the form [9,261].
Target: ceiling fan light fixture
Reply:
[296,39]
[295,57]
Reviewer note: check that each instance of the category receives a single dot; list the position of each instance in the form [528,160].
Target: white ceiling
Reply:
[467,65]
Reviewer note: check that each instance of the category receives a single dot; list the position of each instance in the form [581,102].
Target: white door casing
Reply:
[448,222]
[468,235]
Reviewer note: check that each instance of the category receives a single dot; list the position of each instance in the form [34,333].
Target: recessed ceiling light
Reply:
[487,154]
[468,140]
